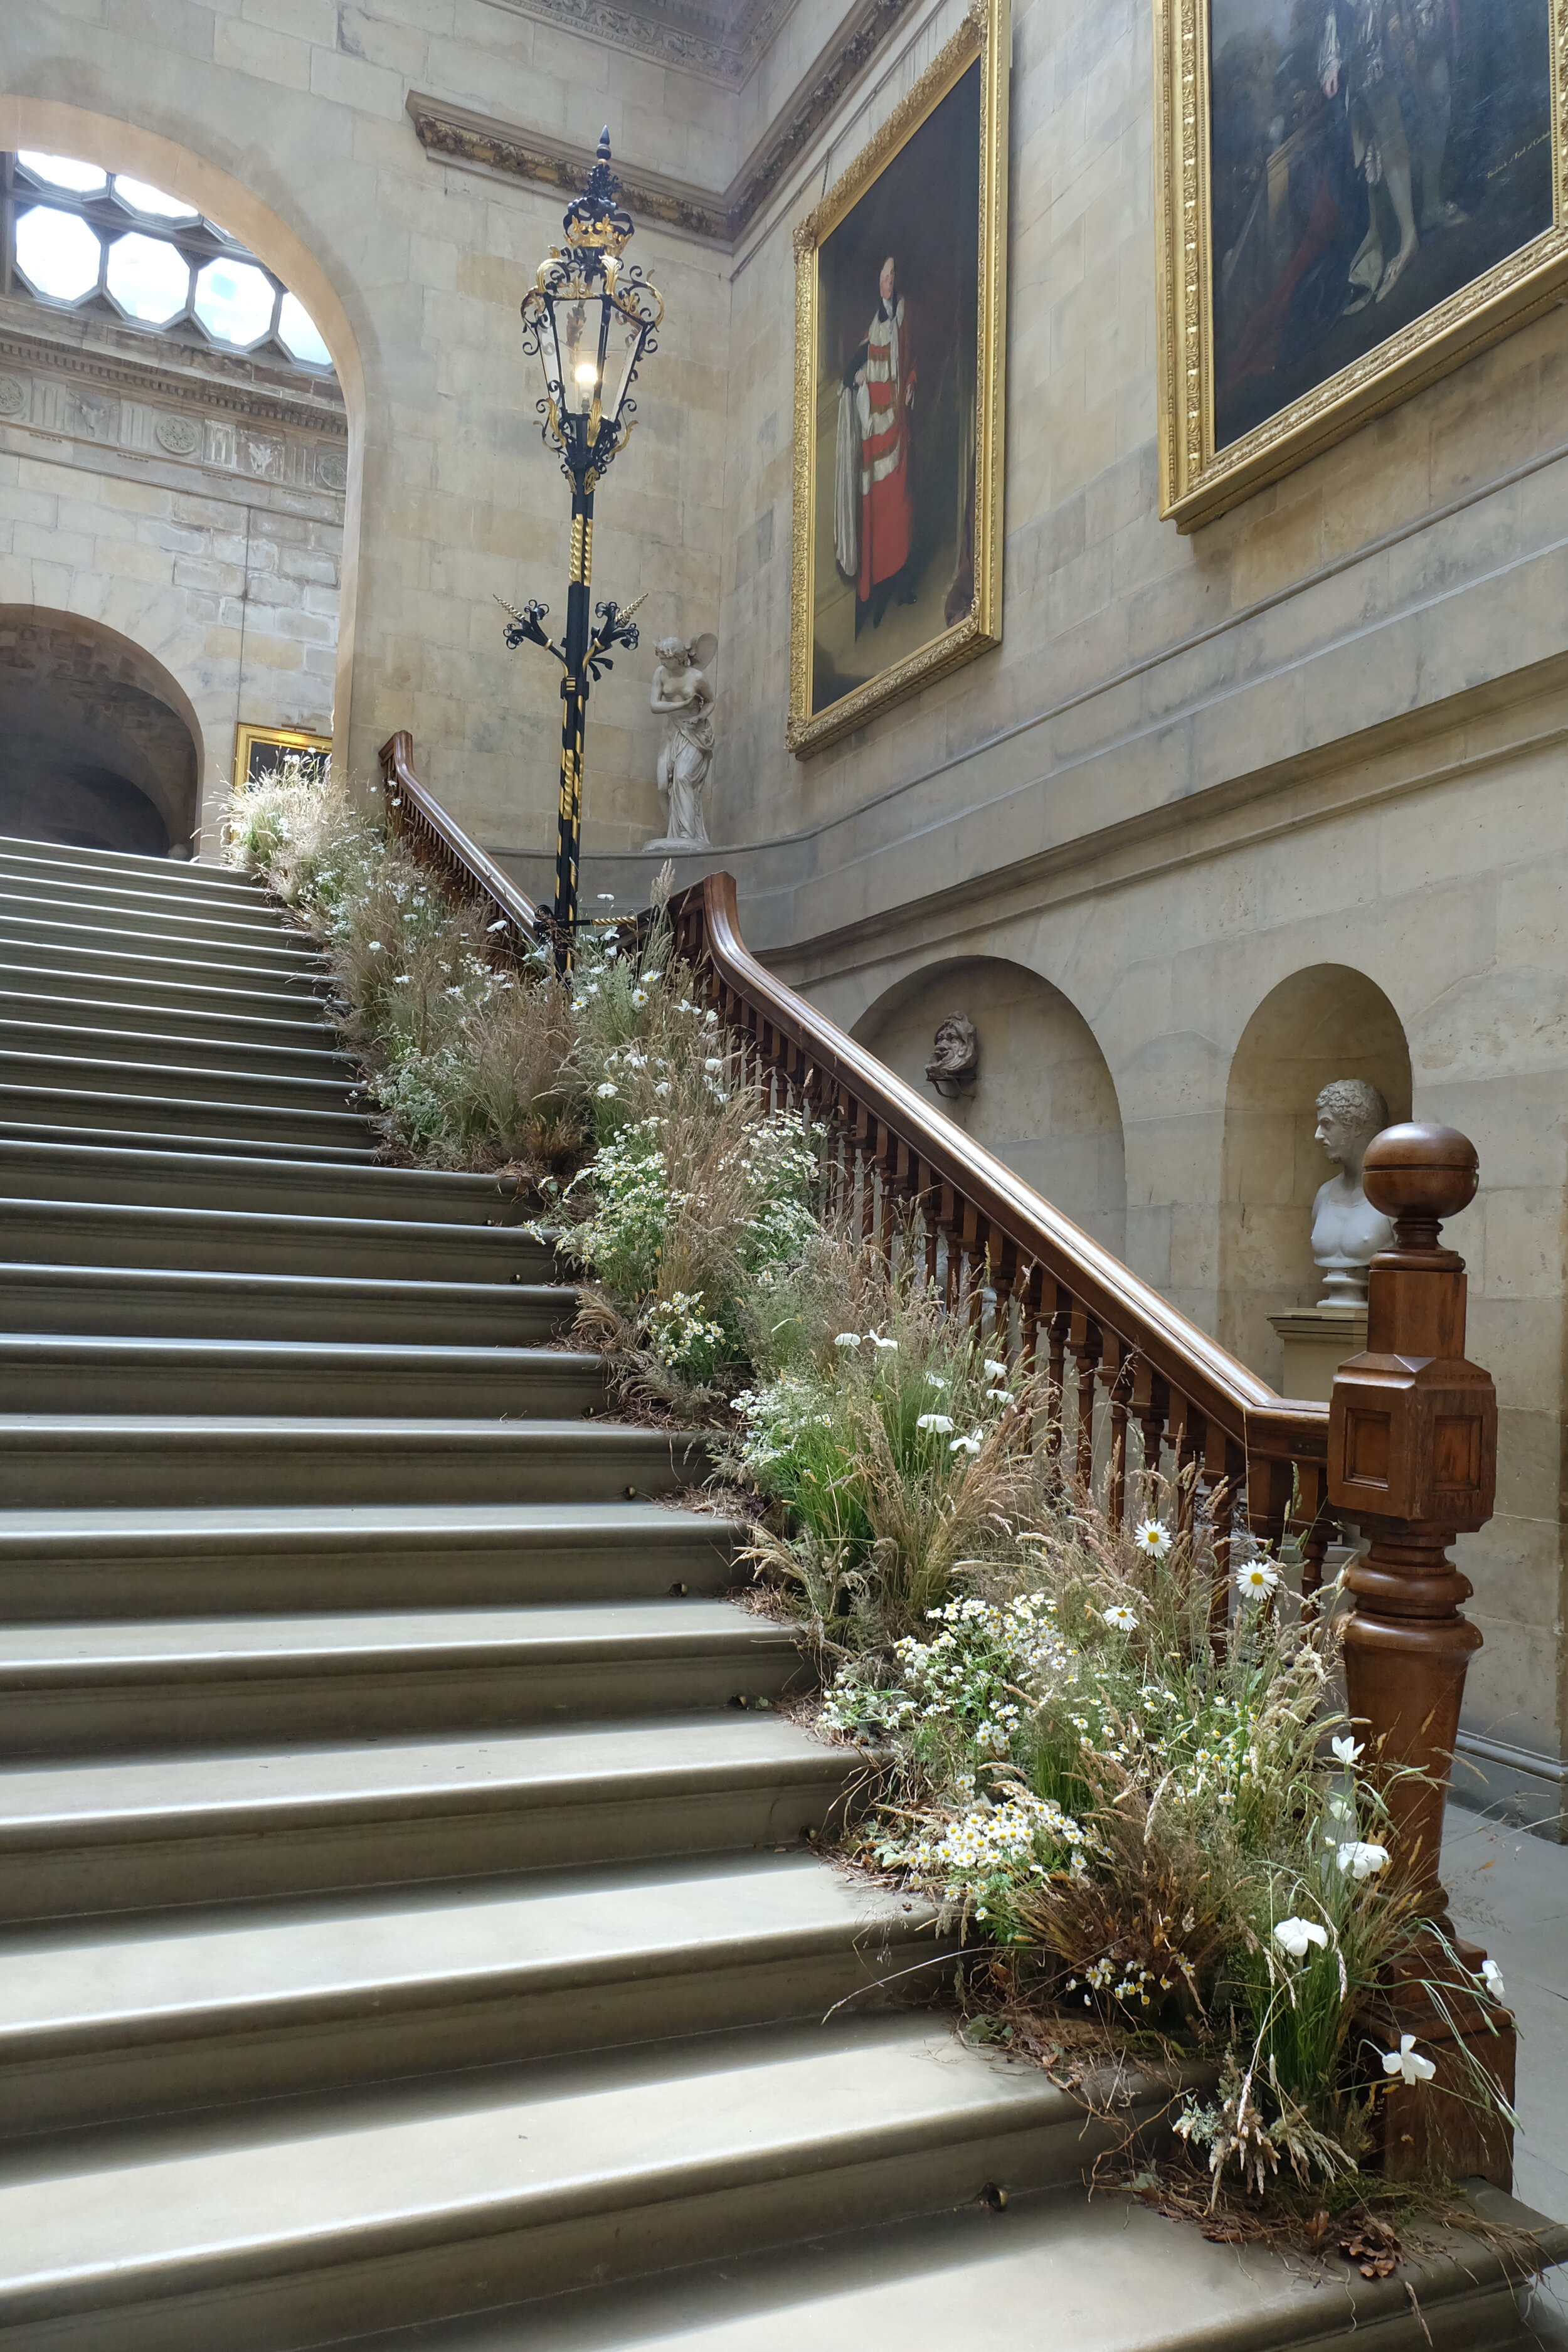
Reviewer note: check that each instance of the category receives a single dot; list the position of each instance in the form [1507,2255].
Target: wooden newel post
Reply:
[1413,1461]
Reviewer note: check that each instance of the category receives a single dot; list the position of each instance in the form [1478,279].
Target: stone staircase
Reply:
[406,1936]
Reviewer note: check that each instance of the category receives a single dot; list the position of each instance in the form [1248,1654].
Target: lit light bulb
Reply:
[588,374]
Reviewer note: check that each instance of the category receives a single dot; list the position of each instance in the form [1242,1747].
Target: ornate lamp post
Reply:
[589,320]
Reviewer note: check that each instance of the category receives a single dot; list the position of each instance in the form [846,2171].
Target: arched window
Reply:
[79,238]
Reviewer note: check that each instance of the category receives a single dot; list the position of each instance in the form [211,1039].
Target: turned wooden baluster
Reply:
[1413,1460]
[1085,1340]
[1151,1409]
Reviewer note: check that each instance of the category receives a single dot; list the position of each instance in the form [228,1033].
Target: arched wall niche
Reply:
[1045,1102]
[1326,1022]
[99,743]
[55,128]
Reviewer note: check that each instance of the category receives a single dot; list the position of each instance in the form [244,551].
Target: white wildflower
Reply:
[375,947]
[1358,1860]
[970,1444]
[1154,1537]
[847,1338]
[1256,1580]
[1000,1396]
[639,996]
[998,1371]
[1122,1618]
[401,981]
[606,898]
[715,1063]
[649,977]
[1346,1748]
[1407,2061]
[1492,1977]
[606,1089]
[1296,1937]
[939,1424]
[882,1345]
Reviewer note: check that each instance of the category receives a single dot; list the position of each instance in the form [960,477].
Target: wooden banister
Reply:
[420,821]
[1229,1428]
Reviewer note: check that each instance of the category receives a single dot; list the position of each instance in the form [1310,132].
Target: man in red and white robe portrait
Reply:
[874,507]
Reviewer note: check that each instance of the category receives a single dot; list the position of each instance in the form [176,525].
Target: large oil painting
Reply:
[898,415]
[1365,193]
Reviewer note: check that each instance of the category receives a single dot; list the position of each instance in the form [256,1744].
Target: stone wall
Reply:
[192,507]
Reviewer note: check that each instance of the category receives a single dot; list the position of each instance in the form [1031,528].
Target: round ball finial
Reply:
[1418,1173]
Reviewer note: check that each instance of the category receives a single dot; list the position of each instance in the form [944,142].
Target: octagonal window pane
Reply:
[64,171]
[148,277]
[58,253]
[153,201]
[298,333]
[233,301]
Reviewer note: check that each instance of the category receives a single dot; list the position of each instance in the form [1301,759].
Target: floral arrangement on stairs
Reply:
[1146,1832]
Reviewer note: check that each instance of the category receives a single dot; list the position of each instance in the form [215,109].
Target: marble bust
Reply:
[1347,1231]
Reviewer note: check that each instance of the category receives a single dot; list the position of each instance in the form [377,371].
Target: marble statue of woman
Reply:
[683,698]
[1347,1231]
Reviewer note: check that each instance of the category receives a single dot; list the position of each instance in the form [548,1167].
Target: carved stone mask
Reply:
[955,1055]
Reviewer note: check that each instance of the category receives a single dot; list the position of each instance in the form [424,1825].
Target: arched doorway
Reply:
[1326,1022]
[98,742]
[1045,1100]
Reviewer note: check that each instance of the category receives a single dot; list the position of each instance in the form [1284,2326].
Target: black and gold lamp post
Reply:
[589,319]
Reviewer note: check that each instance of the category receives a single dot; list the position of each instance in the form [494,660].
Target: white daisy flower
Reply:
[1298,1936]
[649,977]
[1122,1618]
[1407,2061]
[639,996]
[1256,1580]
[1154,1537]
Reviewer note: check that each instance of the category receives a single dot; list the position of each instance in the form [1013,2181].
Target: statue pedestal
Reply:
[1317,1341]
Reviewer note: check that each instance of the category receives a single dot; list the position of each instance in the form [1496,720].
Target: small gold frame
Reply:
[248,740]
[1197,483]
[982,36]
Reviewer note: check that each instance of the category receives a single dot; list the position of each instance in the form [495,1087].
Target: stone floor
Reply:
[1510,1891]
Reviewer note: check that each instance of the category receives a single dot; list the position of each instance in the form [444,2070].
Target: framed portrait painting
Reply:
[1355,196]
[258,751]
[900,300]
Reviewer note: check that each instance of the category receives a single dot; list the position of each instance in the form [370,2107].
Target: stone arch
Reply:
[55,128]
[1327,1021]
[98,742]
[1045,1102]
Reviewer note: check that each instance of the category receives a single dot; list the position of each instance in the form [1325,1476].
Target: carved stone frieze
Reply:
[73,389]
[467,138]
[719,43]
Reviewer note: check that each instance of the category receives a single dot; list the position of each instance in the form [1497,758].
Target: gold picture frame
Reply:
[249,741]
[1314,140]
[949,365]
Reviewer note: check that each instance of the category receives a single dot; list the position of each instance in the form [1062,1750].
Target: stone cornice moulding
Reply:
[720,44]
[461,136]
[141,380]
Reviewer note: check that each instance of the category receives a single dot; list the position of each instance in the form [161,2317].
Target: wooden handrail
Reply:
[418,819]
[1047,1278]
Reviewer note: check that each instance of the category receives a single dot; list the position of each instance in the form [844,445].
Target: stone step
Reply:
[249,921]
[61,1033]
[1057,2271]
[78,1000]
[63,1563]
[139,1460]
[189,973]
[193,979]
[130,1177]
[371,1675]
[74,1065]
[58,1373]
[297,2223]
[240,950]
[144,1833]
[229,1119]
[117,1302]
[102,2022]
[249,1241]
[217,1147]
[174,875]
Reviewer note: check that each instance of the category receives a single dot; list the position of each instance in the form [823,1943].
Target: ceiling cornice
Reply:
[480,142]
[720,42]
